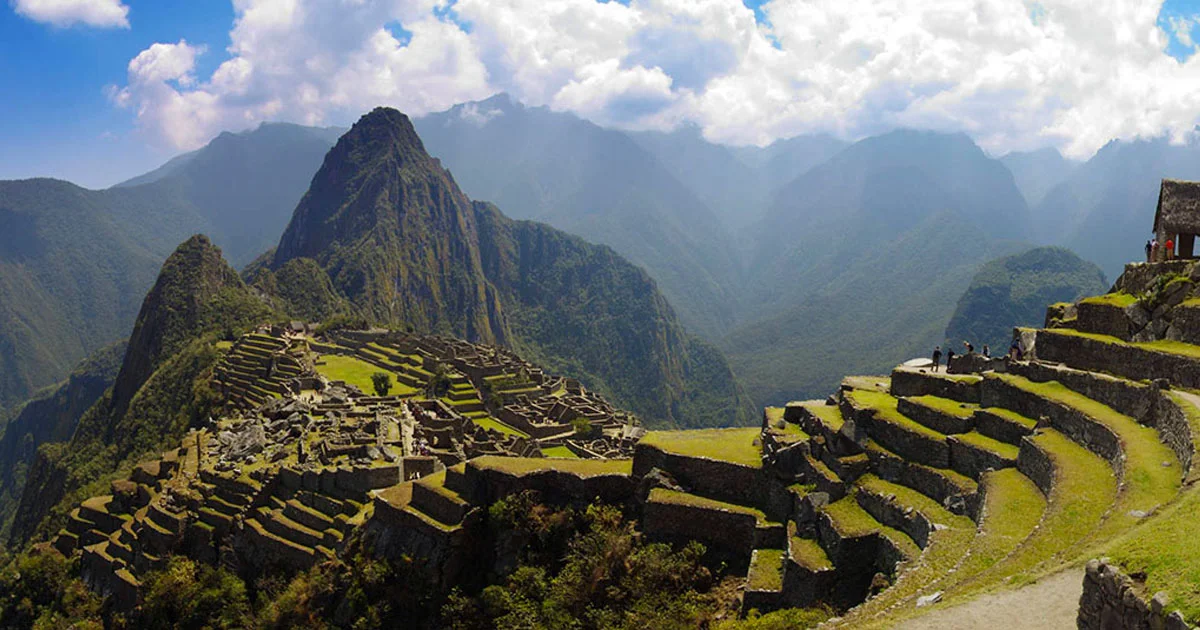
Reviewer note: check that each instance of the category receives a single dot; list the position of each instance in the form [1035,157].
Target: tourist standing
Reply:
[1170,248]
[949,357]
[987,352]
[1154,249]
[969,347]
[937,358]
[1149,250]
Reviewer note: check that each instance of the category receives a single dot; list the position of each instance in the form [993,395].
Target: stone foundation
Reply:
[1111,601]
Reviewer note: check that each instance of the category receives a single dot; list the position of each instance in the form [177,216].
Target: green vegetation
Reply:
[187,594]
[674,497]
[487,422]
[786,619]
[766,570]
[1147,483]
[1014,507]
[829,415]
[1014,291]
[1118,299]
[884,406]
[809,554]
[977,439]
[41,590]
[582,467]
[359,373]
[587,569]
[850,519]
[737,446]
[559,451]
[381,382]
[947,406]
[1084,489]
[1164,549]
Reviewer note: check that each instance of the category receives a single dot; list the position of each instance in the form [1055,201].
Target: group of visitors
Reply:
[1156,254]
[986,352]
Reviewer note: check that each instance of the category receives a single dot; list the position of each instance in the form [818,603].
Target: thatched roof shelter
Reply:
[1178,208]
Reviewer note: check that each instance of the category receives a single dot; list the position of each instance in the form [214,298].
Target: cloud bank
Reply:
[1012,74]
[63,13]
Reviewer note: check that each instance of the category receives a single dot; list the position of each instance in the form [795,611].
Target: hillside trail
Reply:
[1049,604]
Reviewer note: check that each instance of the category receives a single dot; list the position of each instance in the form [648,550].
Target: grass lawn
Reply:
[582,467]
[877,383]
[737,446]
[1165,549]
[809,554]
[885,410]
[358,372]
[489,422]
[828,415]
[1148,484]
[849,519]
[559,451]
[774,414]
[224,345]
[1112,299]
[1014,507]
[1084,488]
[663,495]
[981,441]
[946,406]
[766,570]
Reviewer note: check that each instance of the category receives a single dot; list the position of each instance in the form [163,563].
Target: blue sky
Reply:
[57,118]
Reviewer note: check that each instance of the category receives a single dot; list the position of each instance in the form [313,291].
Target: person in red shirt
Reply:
[1170,248]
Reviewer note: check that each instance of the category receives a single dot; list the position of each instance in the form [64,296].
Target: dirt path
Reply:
[1049,604]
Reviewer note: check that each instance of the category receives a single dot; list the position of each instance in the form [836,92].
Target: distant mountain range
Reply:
[779,249]
[75,263]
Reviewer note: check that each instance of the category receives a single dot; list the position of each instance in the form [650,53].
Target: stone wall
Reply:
[914,383]
[1111,601]
[729,536]
[1036,464]
[486,485]
[1123,360]
[1075,424]
[1146,403]
[723,481]
[927,481]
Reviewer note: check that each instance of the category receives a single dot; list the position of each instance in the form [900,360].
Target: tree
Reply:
[382,382]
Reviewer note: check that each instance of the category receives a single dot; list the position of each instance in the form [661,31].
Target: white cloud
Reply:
[62,13]
[1013,74]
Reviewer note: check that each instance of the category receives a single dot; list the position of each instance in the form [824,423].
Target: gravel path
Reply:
[1049,604]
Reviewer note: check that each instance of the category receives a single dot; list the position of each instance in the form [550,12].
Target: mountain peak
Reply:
[192,285]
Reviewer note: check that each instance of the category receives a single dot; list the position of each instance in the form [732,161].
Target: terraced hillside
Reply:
[894,497]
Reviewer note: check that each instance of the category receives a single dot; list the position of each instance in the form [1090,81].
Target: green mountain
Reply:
[75,263]
[70,280]
[599,184]
[158,392]
[1014,291]
[404,246]
[51,416]
[242,187]
[862,257]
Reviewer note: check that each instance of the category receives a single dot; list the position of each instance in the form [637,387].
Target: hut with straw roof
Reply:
[1178,216]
